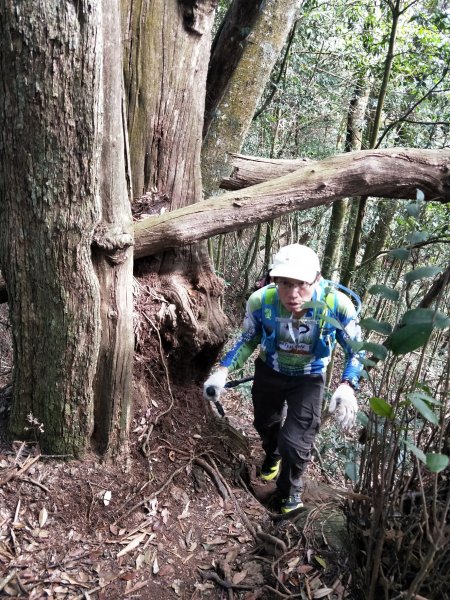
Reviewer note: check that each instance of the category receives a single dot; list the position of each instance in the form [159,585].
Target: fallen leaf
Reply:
[294,562]
[136,587]
[185,512]
[132,545]
[165,515]
[155,567]
[203,587]
[43,534]
[176,586]
[43,516]
[216,541]
[166,571]
[239,577]
[128,575]
[305,568]
[322,562]
[322,592]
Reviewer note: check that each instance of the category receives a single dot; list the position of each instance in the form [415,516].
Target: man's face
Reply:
[293,293]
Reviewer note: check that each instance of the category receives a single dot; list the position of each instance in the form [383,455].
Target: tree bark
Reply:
[312,184]
[49,209]
[339,214]
[166,50]
[375,243]
[113,253]
[357,231]
[227,50]
[379,173]
[235,111]
[166,104]
[251,170]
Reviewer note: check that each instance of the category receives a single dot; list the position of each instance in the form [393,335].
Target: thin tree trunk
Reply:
[375,243]
[113,254]
[226,51]
[339,214]
[395,10]
[235,111]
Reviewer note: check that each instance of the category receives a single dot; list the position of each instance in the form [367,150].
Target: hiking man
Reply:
[295,344]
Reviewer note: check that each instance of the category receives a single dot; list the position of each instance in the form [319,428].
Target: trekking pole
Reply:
[210,391]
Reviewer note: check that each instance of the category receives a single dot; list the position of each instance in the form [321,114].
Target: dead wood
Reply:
[278,187]
[392,173]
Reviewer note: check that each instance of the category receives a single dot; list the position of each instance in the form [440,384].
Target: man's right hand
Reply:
[215,383]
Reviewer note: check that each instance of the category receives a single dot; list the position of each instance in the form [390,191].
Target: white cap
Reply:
[296,262]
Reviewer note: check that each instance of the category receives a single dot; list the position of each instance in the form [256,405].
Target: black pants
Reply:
[293,438]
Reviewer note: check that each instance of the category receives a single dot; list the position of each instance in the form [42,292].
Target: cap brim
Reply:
[297,273]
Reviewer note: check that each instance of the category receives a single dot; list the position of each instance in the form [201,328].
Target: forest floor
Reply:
[181,515]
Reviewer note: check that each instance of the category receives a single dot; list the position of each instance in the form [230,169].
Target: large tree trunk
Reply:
[166,102]
[234,112]
[65,219]
[49,209]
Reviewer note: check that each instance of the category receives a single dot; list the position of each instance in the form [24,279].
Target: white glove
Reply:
[343,401]
[215,383]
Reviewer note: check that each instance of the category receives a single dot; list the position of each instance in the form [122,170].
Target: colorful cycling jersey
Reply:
[298,346]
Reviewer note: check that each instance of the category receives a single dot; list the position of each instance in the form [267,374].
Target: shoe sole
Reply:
[271,476]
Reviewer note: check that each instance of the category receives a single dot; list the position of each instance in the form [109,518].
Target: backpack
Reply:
[324,342]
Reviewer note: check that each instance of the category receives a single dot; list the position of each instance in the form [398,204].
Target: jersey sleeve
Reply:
[351,332]
[250,335]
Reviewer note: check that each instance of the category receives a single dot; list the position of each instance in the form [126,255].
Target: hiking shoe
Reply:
[291,503]
[270,469]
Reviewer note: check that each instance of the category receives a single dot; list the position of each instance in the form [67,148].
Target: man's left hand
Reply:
[344,406]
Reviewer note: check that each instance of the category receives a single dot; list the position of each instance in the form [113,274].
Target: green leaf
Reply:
[332,321]
[422,273]
[354,345]
[381,408]
[378,350]
[399,254]
[384,291]
[422,407]
[436,462]
[417,236]
[314,304]
[367,362]
[372,324]
[351,470]
[426,316]
[423,396]
[416,451]
[322,562]
[413,209]
[362,418]
[408,338]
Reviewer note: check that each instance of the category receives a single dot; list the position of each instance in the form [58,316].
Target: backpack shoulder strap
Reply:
[329,285]
[269,307]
